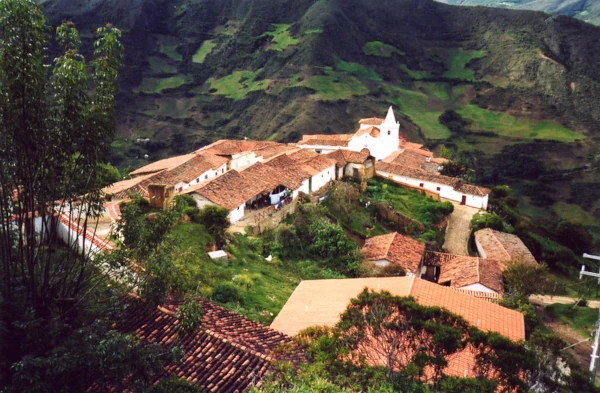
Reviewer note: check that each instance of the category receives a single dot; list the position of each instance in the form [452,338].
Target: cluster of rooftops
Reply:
[231,353]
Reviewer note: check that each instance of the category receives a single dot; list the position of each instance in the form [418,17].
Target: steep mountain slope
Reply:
[585,10]
[199,70]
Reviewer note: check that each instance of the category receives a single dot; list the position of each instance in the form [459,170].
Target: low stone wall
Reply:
[270,218]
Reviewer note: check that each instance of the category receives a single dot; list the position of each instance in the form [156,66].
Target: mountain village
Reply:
[260,183]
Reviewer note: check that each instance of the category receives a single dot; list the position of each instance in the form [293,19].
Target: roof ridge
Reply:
[500,243]
[410,287]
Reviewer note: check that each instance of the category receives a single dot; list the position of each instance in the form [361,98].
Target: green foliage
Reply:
[417,75]
[357,69]
[107,174]
[187,199]
[458,60]
[329,241]
[227,292]
[189,315]
[453,121]
[575,236]
[175,385]
[378,48]
[487,220]
[158,65]
[215,219]
[171,51]
[582,319]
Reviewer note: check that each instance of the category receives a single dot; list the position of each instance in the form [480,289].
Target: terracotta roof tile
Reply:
[229,353]
[488,296]
[434,258]
[463,271]
[343,157]
[373,131]
[396,248]
[229,190]
[320,163]
[167,163]
[375,121]
[308,307]
[119,189]
[326,140]
[302,155]
[502,246]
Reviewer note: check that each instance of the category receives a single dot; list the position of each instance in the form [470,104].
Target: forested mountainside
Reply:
[586,10]
[525,85]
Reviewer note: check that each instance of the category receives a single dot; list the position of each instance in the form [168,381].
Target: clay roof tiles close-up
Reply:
[229,353]
[396,248]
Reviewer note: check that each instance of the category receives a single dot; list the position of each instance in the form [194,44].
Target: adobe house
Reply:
[355,165]
[394,248]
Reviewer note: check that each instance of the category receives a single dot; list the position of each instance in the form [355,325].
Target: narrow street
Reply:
[459,229]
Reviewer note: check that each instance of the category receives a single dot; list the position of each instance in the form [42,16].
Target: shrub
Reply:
[481,221]
[187,198]
[227,292]
[192,213]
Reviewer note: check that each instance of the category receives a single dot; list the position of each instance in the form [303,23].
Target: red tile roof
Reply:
[462,271]
[302,155]
[326,140]
[343,157]
[502,246]
[373,131]
[167,163]
[396,248]
[320,163]
[421,174]
[375,121]
[309,307]
[229,190]
[229,353]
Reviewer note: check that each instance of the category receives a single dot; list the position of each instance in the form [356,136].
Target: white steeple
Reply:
[390,119]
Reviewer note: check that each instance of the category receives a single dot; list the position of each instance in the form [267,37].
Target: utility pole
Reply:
[594,360]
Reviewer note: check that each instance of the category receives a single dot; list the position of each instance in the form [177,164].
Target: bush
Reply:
[227,292]
[192,213]
[481,221]
[187,198]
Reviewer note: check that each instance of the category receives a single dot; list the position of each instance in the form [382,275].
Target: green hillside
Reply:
[585,10]
[200,70]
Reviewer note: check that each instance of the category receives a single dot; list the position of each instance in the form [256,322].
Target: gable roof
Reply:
[375,121]
[320,163]
[302,155]
[462,271]
[229,190]
[325,140]
[308,307]
[167,163]
[373,131]
[343,157]
[229,353]
[396,248]
[502,246]
[420,174]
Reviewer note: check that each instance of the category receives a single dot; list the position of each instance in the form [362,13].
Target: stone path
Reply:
[545,300]
[459,229]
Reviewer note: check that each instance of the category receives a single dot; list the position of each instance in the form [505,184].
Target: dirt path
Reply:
[459,229]
[545,300]
[581,349]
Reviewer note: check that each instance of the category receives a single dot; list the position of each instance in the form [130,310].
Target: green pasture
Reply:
[281,37]
[378,48]
[357,69]
[171,51]
[158,85]
[334,86]
[417,75]
[573,213]
[516,127]
[458,60]
[238,84]
[204,50]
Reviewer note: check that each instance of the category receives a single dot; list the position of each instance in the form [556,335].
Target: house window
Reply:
[438,188]
[318,151]
[206,176]
[198,180]
[389,132]
[421,185]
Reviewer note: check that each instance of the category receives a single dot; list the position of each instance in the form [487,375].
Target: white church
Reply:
[380,136]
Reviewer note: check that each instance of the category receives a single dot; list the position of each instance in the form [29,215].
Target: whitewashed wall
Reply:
[478,287]
[322,178]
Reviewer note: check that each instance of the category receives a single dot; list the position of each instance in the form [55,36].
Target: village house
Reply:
[308,307]
[502,247]
[472,273]
[228,354]
[394,248]
[354,165]
[447,187]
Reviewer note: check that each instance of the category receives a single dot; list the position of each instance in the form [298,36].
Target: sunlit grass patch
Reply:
[378,48]
[158,85]
[204,50]
[417,75]
[238,84]
[281,37]
[458,60]
[334,86]
[357,69]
